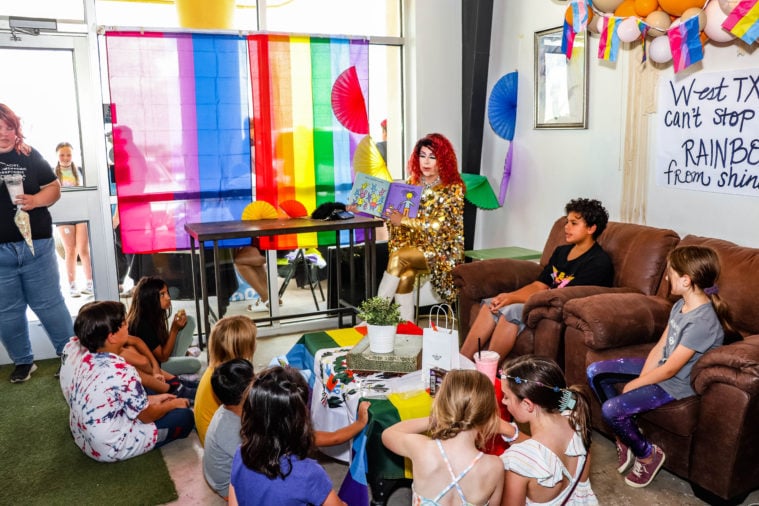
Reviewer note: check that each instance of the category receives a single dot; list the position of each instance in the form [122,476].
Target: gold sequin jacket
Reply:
[438,231]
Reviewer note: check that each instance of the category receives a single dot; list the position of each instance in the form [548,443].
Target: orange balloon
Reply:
[677,7]
[645,7]
[626,9]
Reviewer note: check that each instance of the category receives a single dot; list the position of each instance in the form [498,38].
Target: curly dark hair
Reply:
[447,164]
[276,422]
[592,211]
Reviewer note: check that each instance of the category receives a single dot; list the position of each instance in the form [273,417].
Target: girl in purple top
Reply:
[272,465]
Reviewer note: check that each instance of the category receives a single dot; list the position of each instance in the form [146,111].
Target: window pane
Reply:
[163,14]
[50,117]
[347,17]
[50,9]
[385,104]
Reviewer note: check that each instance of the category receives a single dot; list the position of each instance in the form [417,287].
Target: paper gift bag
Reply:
[440,340]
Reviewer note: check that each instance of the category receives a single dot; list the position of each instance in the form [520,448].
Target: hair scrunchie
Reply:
[712,290]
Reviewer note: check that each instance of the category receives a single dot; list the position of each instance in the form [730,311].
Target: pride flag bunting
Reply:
[743,21]
[608,46]
[568,40]
[685,43]
[579,15]
[643,27]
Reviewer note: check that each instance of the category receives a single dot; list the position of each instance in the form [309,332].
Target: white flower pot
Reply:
[381,338]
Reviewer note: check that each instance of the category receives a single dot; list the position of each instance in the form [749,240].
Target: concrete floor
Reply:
[184,458]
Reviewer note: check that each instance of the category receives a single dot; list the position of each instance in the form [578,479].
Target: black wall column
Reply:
[477,20]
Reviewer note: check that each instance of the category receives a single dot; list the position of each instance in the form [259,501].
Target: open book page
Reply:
[378,197]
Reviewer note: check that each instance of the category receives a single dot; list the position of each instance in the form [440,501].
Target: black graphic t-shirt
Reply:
[594,267]
[36,173]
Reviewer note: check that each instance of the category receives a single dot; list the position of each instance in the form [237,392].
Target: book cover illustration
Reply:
[378,197]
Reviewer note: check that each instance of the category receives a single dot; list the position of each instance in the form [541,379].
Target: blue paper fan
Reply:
[502,108]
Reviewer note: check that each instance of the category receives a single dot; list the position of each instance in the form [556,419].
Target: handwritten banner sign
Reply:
[708,132]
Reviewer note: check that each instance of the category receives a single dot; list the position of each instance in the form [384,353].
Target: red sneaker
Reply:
[624,457]
[642,473]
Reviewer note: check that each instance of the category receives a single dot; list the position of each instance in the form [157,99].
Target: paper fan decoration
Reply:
[293,208]
[502,107]
[479,192]
[348,102]
[368,160]
[259,210]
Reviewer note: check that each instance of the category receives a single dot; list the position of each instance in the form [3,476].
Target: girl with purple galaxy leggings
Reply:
[697,323]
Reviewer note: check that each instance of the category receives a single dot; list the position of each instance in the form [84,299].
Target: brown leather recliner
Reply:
[712,439]
[638,253]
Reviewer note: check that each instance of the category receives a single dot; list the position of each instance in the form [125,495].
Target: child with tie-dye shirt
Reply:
[111,417]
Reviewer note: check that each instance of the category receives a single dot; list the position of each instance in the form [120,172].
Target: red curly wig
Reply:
[446,160]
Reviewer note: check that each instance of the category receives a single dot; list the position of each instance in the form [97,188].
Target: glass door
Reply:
[53,91]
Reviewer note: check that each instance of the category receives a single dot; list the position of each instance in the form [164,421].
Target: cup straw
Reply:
[479,348]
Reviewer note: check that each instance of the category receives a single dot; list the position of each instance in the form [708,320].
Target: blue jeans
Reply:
[32,280]
[176,424]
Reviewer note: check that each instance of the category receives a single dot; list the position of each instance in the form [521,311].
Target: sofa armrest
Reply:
[613,320]
[486,278]
[550,303]
[735,364]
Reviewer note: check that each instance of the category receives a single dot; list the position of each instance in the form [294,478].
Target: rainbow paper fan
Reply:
[259,210]
[502,107]
[293,208]
[479,192]
[368,160]
[348,102]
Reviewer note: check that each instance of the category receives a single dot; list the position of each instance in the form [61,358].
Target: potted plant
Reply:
[382,316]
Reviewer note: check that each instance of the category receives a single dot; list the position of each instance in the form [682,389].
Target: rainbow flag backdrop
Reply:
[189,135]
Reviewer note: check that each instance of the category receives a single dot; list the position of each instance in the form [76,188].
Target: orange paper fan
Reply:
[259,210]
[293,208]
[348,102]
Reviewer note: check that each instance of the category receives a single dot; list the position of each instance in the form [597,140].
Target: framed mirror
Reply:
[561,84]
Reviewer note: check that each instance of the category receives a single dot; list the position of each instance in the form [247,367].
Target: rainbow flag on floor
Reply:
[685,44]
[743,21]
[181,145]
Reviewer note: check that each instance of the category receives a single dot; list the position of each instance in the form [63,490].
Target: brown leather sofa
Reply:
[712,439]
[638,253]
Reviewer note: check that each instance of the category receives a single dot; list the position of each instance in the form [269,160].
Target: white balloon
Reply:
[628,31]
[727,6]
[659,50]
[715,16]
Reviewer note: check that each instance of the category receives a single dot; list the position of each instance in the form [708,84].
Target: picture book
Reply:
[379,197]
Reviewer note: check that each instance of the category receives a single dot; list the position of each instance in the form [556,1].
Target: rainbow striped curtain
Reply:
[301,151]
[180,134]
[183,130]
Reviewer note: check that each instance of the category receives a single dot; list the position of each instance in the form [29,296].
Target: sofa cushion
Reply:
[639,254]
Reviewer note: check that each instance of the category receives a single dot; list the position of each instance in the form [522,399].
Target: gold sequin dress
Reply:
[438,231]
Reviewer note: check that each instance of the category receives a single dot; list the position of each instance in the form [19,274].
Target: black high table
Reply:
[213,232]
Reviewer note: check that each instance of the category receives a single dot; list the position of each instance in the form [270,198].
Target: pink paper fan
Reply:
[348,102]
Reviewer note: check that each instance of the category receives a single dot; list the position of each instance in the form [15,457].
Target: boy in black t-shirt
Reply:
[580,262]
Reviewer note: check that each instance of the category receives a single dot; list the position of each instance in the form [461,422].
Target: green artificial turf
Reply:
[40,464]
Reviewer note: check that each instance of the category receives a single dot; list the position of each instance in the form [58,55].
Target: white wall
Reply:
[433,70]
[553,166]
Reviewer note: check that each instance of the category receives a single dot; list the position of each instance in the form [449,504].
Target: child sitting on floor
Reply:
[272,465]
[553,466]
[111,418]
[464,417]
